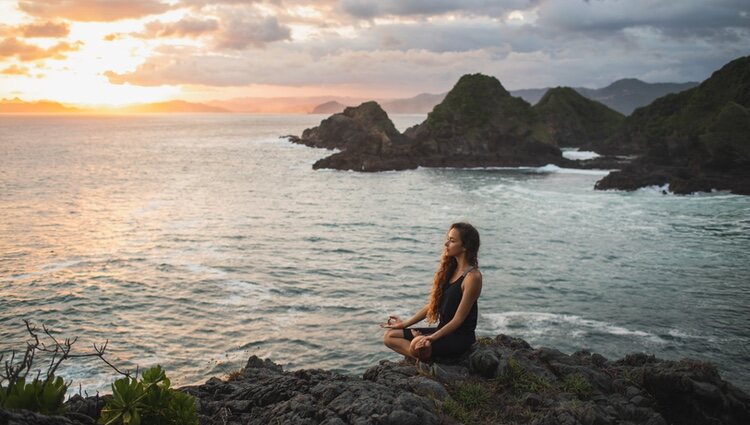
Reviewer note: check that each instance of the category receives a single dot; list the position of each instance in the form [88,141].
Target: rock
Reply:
[484,363]
[697,140]
[477,124]
[24,417]
[642,389]
[574,120]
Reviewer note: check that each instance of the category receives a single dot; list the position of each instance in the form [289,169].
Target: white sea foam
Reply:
[655,190]
[551,168]
[575,154]
[531,324]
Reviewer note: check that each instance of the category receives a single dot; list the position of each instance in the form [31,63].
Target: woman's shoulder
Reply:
[473,277]
[474,273]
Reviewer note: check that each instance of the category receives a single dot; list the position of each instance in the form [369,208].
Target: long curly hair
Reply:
[470,241]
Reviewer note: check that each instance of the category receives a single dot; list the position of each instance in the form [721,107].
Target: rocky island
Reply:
[478,124]
[500,380]
[695,140]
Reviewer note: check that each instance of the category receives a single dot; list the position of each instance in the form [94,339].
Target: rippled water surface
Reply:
[194,241]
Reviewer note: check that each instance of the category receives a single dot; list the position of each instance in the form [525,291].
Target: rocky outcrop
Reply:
[696,140]
[366,136]
[480,124]
[501,378]
[477,124]
[575,121]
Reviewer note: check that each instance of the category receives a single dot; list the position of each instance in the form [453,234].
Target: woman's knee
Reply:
[389,335]
[420,353]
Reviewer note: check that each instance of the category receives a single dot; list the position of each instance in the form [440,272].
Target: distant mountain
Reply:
[170,107]
[628,94]
[331,107]
[695,140]
[624,96]
[281,105]
[575,121]
[420,104]
[40,107]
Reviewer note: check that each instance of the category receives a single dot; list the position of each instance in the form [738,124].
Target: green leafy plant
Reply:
[43,396]
[148,401]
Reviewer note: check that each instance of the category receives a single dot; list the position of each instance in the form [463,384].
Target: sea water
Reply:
[196,241]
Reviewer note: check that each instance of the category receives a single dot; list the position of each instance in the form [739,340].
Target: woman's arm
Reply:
[472,287]
[418,317]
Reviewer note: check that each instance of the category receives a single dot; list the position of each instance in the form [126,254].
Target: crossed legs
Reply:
[394,339]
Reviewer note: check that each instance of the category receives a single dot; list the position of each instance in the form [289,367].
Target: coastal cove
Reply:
[195,241]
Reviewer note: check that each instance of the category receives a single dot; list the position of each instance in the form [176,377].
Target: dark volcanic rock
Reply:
[696,140]
[365,128]
[502,377]
[366,136]
[265,394]
[574,120]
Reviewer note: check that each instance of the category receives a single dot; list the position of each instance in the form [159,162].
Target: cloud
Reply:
[92,10]
[368,9]
[12,47]
[45,29]
[240,32]
[15,70]
[186,27]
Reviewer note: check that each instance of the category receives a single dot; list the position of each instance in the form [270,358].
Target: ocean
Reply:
[194,241]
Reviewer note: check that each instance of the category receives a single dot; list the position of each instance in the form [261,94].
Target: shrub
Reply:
[149,401]
[43,396]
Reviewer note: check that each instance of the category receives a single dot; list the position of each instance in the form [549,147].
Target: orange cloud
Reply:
[187,27]
[46,29]
[93,10]
[15,70]
[12,47]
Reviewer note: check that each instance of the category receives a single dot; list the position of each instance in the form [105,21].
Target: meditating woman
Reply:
[453,304]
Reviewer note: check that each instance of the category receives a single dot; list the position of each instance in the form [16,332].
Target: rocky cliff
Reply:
[477,124]
[696,140]
[575,121]
[500,380]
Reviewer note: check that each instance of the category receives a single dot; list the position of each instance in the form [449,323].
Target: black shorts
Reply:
[449,346]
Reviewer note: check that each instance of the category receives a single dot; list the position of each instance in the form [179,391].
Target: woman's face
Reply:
[453,245]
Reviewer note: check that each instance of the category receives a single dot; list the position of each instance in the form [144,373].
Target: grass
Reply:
[233,375]
[520,380]
[577,384]
[469,401]
[485,341]
[457,411]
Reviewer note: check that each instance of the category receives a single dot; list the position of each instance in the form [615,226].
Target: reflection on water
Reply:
[194,241]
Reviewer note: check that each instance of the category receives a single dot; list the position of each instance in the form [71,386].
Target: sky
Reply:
[115,52]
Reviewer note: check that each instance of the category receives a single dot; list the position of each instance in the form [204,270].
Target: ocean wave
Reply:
[535,324]
[551,168]
[575,154]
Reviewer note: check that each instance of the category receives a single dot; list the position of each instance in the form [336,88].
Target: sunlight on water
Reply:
[195,241]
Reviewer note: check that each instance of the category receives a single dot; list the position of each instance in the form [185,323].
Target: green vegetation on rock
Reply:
[478,102]
[713,113]
[574,120]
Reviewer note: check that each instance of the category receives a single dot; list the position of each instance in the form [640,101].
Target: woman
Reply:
[453,302]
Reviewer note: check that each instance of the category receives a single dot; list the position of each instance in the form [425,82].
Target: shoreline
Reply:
[499,378]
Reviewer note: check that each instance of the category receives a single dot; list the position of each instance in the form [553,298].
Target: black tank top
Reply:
[450,298]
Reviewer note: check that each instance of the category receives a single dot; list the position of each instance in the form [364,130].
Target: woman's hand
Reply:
[393,323]
[424,342]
